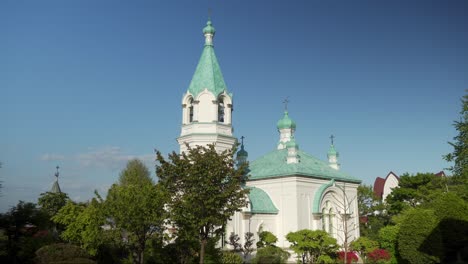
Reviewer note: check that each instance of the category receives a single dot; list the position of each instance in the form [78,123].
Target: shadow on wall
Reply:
[448,241]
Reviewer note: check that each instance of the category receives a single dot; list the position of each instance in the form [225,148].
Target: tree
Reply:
[415,190]
[248,245]
[136,207]
[266,238]
[372,211]
[364,246]
[460,147]
[206,189]
[270,254]
[310,245]
[234,242]
[416,227]
[388,238]
[52,202]
[83,224]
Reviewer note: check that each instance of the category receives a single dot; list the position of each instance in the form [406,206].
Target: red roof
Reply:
[378,187]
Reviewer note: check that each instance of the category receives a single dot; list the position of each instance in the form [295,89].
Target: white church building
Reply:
[290,190]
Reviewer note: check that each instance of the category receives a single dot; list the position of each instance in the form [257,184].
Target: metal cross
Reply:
[242,140]
[57,173]
[285,102]
[332,137]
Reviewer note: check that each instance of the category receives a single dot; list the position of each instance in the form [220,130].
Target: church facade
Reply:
[290,190]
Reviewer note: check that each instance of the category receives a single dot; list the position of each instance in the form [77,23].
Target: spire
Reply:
[242,155]
[208,73]
[286,127]
[333,155]
[56,186]
[292,148]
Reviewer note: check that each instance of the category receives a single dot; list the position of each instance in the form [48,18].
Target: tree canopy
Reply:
[206,190]
[311,245]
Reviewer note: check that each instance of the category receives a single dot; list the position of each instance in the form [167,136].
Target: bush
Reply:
[231,258]
[379,256]
[266,238]
[62,253]
[351,257]
[270,254]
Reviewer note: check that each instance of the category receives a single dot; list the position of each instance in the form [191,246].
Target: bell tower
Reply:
[207,105]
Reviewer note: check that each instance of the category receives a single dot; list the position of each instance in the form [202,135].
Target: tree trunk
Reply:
[202,250]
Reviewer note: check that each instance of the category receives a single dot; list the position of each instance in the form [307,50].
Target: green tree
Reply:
[416,227]
[136,208]
[266,238]
[388,238]
[52,202]
[83,224]
[206,189]
[270,254]
[415,190]
[310,245]
[364,246]
[248,244]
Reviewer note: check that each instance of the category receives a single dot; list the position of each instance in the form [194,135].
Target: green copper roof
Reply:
[209,28]
[242,152]
[292,143]
[274,165]
[55,188]
[260,202]
[286,122]
[208,73]
[332,151]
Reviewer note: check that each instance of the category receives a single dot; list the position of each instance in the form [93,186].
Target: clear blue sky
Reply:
[87,85]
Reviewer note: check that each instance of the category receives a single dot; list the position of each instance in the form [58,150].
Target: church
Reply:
[290,190]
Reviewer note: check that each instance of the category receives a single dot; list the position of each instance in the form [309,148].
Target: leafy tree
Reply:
[248,245]
[270,254]
[364,246]
[234,242]
[388,238]
[460,147]
[310,245]
[25,228]
[372,210]
[231,258]
[266,238]
[414,190]
[416,227]
[83,223]
[60,253]
[206,189]
[136,207]
[52,202]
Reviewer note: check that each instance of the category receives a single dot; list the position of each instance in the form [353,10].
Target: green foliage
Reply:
[206,189]
[234,242]
[266,238]
[310,245]
[136,208]
[414,190]
[368,205]
[52,202]
[460,147]
[62,253]
[270,254]
[364,246]
[414,230]
[83,224]
[231,258]
[248,245]
[135,173]
[388,237]
[24,229]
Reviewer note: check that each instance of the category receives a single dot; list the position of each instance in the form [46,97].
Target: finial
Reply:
[332,137]
[285,102]
[242,141]
[57,173]
[209,13]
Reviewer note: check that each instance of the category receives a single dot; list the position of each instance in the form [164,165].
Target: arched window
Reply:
[221,110]
[190,110]
[330,221]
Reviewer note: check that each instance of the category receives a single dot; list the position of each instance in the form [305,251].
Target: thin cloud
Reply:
[109,158]
[51,157]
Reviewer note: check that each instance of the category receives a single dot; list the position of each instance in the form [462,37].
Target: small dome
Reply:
[209,29]
[332,151]
[242,152]
[292,144]
[286,122]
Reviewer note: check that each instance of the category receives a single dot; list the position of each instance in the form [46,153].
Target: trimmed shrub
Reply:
[62,253]
[379,256]
[270,254]
[351,257]
[231,258]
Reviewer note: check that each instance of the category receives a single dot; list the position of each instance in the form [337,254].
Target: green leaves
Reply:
[310,245]
[205,187]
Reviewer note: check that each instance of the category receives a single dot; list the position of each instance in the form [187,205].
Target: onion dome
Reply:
[292,144]
[242,152]
[332,151]
[286,122]
[209,29]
